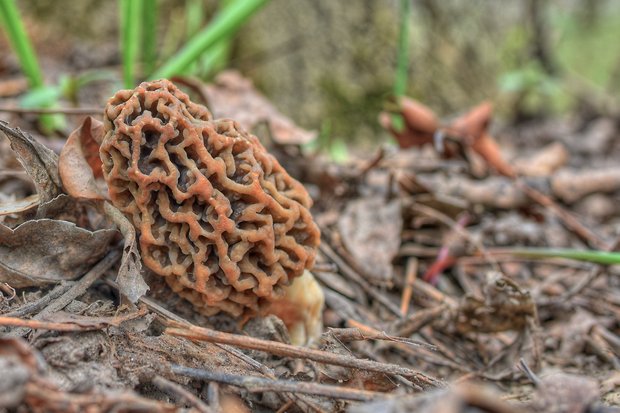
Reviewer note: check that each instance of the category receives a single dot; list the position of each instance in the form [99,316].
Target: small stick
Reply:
[408,326]
[258,384]
[87,324]
[44,325]
[76,289]
[286,350]
[81,285]
[213,395]
[348,271]
[454,226]
[569,219]
[432,292]
[6,288]
[180,394]
[528,372]
[410,277]
[359,333]
[167,315]
[285,407]
[35,306]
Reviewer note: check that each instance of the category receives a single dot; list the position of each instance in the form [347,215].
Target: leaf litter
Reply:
[493,332]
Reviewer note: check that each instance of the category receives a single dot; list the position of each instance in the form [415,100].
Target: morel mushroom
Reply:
[218,216]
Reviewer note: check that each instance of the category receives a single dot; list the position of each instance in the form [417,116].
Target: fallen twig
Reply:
[411,273]
[167,316]
[37,305]
[259,384]
[80,323]
[408,326]
[565,216]
[356,334]
[75,291]
[180,394]
[287,350]
[348,271]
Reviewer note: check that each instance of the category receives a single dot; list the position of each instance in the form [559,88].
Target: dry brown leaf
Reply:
[371,229]
[420,124]
[79,164]
[20,205]
[462,398]
[233,96]
[565,393]
[45,251]
[129,280]
[472,128]
[40,163]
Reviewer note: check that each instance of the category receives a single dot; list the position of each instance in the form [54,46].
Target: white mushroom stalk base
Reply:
[301,309]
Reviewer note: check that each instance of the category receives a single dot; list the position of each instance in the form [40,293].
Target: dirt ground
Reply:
[432,302]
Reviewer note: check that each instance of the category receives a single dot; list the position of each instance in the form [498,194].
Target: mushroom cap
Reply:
[218,216]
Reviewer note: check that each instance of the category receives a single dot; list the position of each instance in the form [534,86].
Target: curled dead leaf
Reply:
[44,251]
[473,124]
[420,124]
[40,163]
[79,164]
[129,280]
[20,205]
[473,128]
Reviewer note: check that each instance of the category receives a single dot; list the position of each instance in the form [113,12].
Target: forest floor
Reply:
[432,304]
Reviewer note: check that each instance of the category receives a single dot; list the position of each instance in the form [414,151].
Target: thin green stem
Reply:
[224,25]
[402,60]
[130,37]
[149,35]
[598,257]
[20,43]
[12,22]
[218,56]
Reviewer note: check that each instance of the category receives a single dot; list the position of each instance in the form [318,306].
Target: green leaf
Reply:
[225,24]
[131,12]
[42,97]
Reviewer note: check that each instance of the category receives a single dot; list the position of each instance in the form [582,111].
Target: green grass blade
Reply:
[402,60]
[130,37]
[217,58]
[20,43]
[149,35]
[194,17]
[224,25]
[12,22]
[598,257]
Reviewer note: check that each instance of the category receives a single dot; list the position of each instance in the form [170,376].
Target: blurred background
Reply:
[331,65]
